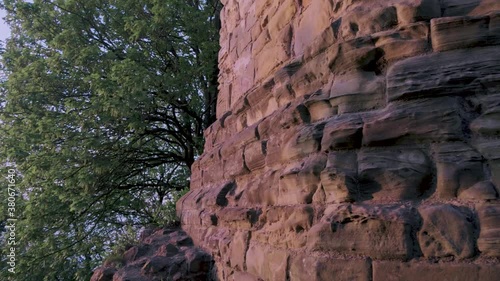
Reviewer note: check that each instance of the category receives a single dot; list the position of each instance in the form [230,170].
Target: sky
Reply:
[4,33]
[4,28]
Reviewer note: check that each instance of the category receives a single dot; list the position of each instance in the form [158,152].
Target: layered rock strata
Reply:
[166,254]
[355,140]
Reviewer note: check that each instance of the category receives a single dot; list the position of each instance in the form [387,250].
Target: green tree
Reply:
[102,111]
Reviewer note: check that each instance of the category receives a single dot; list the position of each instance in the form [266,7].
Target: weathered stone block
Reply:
[420,10]
[189,217]
[374,231]
[236,217]
[319,106]
[484,190]
[491,99]
[304,142]
[355,55]
[289,218]
[448,73]
[260,42]
[283,93]
[284,39]
[259,190]
[446,231]
[293,115]
[322,42]
[213,172]
[417,271]
[209,135]
[243,76]
[459,32]
[489,149]
[251,18]
[274,150]
[358,91]
[488,123]
[234,165]
[265,108]
[313,75]
[223,99]
[266,262]
[403,42]
[339,181]
[299,181]
[306,267]
[260,93]
[487,128]
[261,6]
[255,155]
[241,40]
[366,20]
[230,15]
[282,17]
[238,248]
[196,177]
[437,119]
[268,59]
[208,218]
[285,226]
[344,131]
[393,174]
[218,132]
[165,250]
[237,142]
[312,22]
[459,167]
[208,196]
[489,237]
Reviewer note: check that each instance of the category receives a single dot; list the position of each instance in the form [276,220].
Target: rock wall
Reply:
[355,140]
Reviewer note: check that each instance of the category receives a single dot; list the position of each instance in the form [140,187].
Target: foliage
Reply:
[166,214]
[127,239]
[102,111]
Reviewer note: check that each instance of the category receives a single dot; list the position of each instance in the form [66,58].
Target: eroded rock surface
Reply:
[166,254]
[355,139]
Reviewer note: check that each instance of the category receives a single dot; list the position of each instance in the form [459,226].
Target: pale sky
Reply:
[4,28]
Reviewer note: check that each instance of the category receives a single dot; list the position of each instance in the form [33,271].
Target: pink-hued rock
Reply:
[416,121]
[457,72]
[305,267]
[398,173]
[355,140]
[489,237]
[446,231]
[358,91]
[167,254]
[458,167]
[267,262]
[364,230]
[464,32]
[416,271]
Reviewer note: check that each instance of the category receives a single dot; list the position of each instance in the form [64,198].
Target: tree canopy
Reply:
[102,112]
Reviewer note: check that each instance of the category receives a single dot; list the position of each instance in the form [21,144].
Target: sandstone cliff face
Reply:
[356,140]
